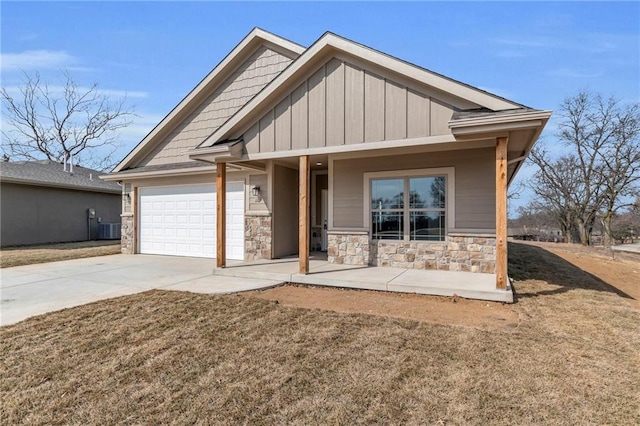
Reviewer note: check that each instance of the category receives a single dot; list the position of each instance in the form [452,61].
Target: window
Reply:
[412,207]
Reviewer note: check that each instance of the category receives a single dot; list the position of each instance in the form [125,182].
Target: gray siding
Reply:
[340,104]
[474,182]
[255,73]
[285,211]
[37,214]
[259,203]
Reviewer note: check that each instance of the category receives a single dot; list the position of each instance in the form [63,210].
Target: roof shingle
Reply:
[51,173]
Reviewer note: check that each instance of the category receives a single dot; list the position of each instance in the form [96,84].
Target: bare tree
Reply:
[620,160]
[559,187]
[599,174]
[59,123]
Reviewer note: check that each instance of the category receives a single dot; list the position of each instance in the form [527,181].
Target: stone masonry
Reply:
[127,237]
[348,248]
[126,234]
[257,237]
[470,253]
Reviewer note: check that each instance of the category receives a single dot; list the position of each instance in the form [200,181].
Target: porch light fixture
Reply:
[255,191]
[318,164]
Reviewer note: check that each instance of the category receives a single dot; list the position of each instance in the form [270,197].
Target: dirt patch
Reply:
[28,255]
[417,307]
[166,357]
[566,264]
[621,271]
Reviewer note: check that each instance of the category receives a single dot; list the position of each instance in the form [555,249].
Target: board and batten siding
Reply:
[474,184]
[250,77]
[342,104]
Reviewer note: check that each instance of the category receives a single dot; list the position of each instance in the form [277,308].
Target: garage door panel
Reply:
[181,220]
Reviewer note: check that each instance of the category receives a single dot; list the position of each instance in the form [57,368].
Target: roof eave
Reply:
[466,125]
[218,153]
[30,182]
[121,176]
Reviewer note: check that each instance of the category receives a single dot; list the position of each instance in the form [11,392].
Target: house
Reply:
[49,202]
[282,150]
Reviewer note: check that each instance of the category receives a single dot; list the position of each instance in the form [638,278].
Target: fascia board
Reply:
[500,123]
[499,119]
[157,173]
[331,41]
[496,127]
[530,145]
[58,185]
[423,142]
[217,152]
[256,37]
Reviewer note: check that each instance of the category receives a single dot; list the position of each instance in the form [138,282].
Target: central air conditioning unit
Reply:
[109,231]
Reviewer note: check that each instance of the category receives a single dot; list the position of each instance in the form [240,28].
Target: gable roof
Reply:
[52,174]
[330,44]
[249,44]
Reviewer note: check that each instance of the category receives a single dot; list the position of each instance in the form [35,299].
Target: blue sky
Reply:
[535,53]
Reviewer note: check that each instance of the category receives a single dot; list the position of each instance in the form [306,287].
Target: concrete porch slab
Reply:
[440,283]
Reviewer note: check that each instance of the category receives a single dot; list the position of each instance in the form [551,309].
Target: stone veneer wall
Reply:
[460,252]
[127,229]
[257,237]
[350,248]
[127,234]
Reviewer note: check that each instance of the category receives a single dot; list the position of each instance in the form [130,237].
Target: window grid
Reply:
[407,213]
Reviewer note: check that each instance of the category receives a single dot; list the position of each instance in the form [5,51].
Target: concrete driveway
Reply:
[31,290]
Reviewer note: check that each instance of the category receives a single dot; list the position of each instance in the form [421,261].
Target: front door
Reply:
[324,218]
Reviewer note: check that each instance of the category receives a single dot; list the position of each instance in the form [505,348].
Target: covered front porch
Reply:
[320,272]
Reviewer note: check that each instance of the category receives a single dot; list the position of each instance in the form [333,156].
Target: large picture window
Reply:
[412,208]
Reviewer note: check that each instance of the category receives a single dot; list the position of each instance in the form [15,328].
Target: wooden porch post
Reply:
[221,211]
[135,209]
[303,214]
[501,212]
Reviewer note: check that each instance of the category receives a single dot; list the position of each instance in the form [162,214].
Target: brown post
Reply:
[221,212]
[136,218]
[303,214]
[501,212]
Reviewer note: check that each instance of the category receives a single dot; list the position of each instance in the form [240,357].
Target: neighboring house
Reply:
[283,149]
[46,202]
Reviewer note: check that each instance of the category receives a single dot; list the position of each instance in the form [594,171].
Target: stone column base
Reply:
[349,248]
[127,236]
[257,237]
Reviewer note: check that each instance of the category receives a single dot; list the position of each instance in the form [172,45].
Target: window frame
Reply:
[447,172]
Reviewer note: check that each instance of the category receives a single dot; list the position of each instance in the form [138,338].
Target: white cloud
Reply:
[124,93]
[36,59]
[528,42]
[573,73]
[111,93]
[510,54]
[142,124]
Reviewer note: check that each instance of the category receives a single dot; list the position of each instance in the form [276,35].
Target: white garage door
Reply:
[181,220]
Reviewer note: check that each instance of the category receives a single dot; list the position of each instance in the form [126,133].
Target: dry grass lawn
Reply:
[27,255]
[170,357]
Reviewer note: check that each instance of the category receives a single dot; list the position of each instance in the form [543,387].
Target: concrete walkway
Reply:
[440,283]
[31,290]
